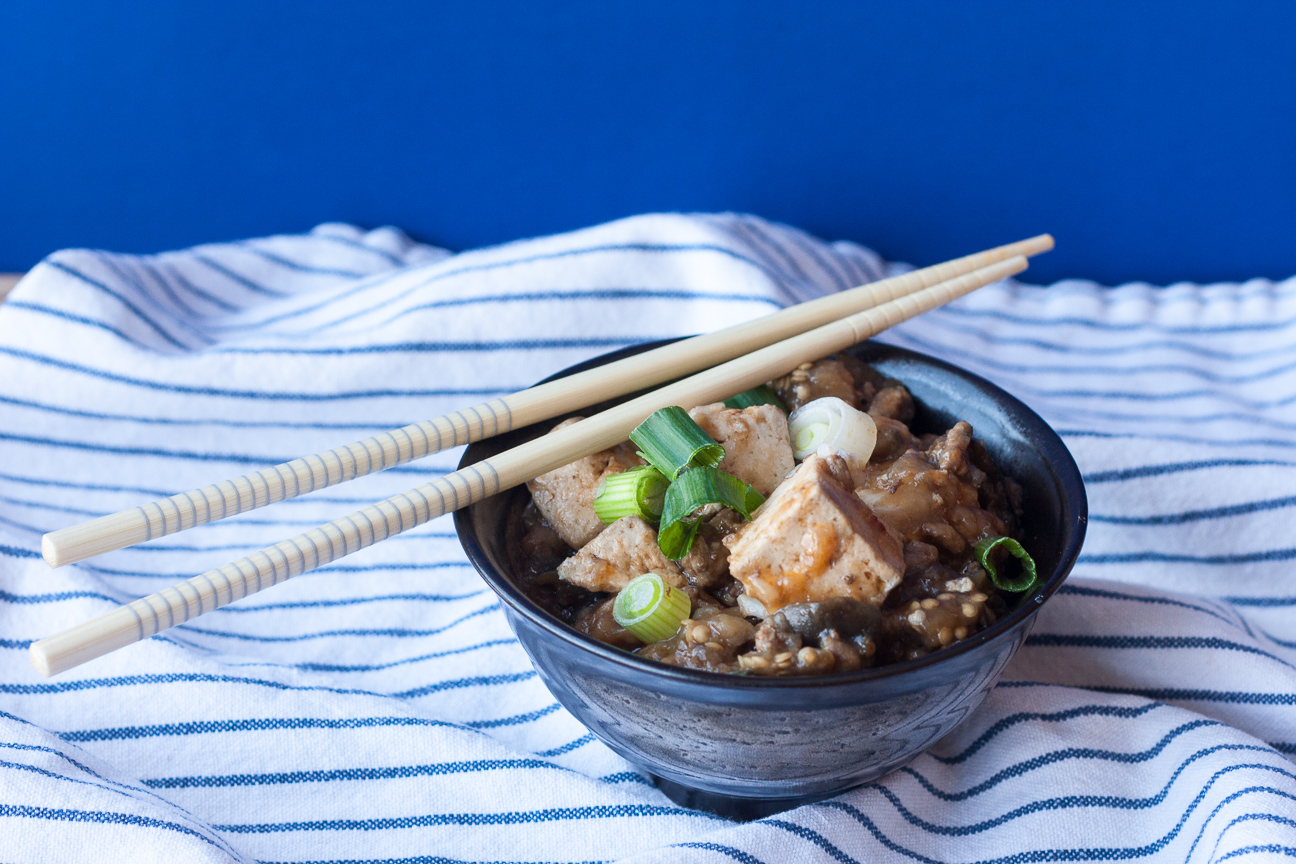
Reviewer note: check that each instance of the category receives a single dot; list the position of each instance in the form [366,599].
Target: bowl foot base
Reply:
[731,806]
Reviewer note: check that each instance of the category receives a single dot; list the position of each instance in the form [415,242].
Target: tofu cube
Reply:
[565,496]
[628,548]
[814,539]
[755,440]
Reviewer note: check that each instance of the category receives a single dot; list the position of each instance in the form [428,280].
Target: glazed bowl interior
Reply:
[614,692]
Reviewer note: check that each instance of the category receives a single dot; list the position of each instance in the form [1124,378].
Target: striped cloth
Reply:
[380,710]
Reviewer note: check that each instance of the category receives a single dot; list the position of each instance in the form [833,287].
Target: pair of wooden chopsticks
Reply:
[778,343]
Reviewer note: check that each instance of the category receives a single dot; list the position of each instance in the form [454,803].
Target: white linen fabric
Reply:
[380,709]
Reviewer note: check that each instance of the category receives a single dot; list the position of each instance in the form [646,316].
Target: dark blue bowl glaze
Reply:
[749,746]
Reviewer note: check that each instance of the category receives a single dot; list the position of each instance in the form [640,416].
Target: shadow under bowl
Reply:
[747,746]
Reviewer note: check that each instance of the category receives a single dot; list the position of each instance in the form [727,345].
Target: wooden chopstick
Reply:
[330,467]
[319,546]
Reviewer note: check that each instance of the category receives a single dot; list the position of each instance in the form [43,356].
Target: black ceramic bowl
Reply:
[748,746]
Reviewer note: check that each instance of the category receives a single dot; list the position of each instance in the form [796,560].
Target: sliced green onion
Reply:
[637,492]
[986,548]
[649,608]
[761,395]
[672,442]
[693,489]
[810,436]
[835,424]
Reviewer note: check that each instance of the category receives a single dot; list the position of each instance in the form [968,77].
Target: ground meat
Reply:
[919,556]
[707,563]
[540,547]
[836,635]
[779,652]
[894,440]
[847,656]
[894,403]
[931,496]
[999,494]
[727,591]
[921,626]
[869,386]
[811,381]
[597,622]
[845,616]
[535,550]
[709,640]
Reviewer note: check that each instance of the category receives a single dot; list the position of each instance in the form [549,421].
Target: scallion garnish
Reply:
[649,608]
[672,442]
[761,395]
[696,488]
[637,492]
[987,547]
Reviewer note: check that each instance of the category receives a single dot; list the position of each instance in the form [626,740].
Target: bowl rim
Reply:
[1059,459]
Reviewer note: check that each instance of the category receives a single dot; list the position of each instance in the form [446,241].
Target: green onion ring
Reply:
[637,492]
[650,608]
[985,548]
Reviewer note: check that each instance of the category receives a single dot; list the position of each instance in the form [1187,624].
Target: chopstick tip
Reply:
[50,551]
[40,660]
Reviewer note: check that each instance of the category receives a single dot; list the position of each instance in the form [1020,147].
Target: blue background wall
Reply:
[1156,140]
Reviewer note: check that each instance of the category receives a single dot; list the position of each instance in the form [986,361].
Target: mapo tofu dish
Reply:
[798,528]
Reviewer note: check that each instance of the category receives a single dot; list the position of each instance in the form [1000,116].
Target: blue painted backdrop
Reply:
[1156,140]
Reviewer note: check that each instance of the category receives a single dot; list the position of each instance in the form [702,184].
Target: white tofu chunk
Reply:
[565,496]
[628,548]
[814,539]
[755,440]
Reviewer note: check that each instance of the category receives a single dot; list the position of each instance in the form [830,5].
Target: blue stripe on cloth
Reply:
[366,427]
[1099,371]
[1139,472]
[237,278]
[291,396]
[349,774]
[1132,327]
[365,247]
[62,814]
[1053,757]
[206,678]
[449,346]
[452,272]
[1108,594]
[1005,723]
[299,266]
[262,724]
[1199,515]
[139,314]
[1176,439]
[525,817]
[1179,558]
[1155,643]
